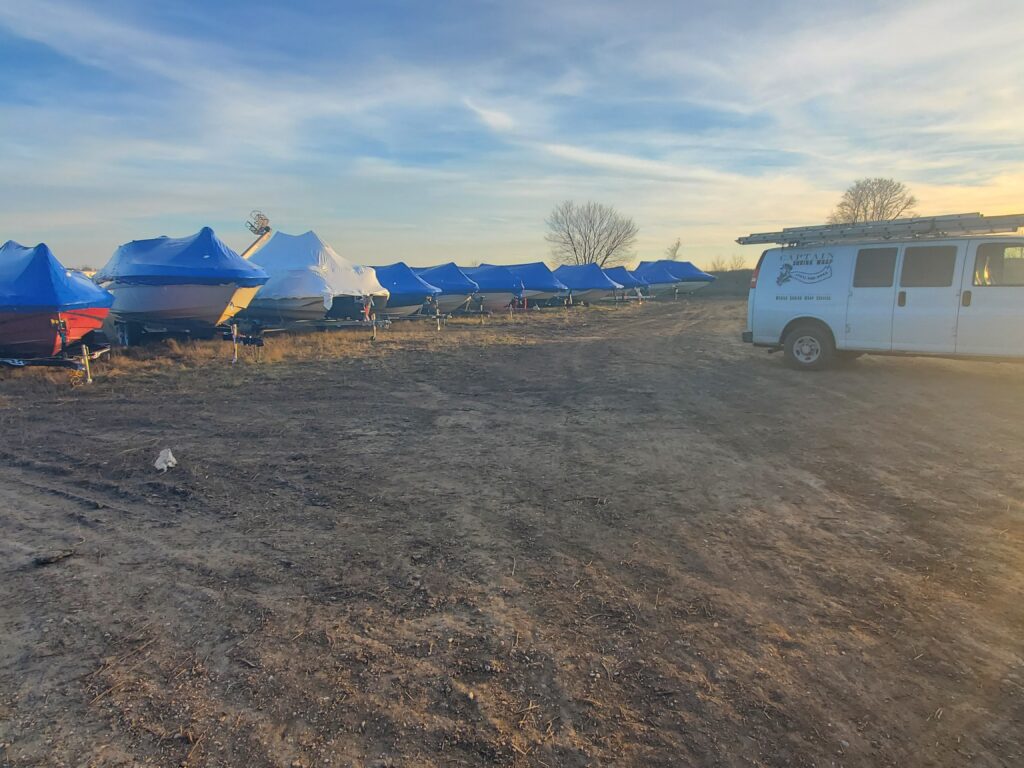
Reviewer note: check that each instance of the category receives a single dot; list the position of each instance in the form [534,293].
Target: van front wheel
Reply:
[809,347]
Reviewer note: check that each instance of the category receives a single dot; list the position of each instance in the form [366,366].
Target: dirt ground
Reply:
[601,538]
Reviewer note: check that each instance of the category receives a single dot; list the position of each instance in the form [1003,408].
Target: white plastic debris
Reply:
[165,460]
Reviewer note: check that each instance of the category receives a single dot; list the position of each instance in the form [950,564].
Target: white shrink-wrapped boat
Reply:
[307,279]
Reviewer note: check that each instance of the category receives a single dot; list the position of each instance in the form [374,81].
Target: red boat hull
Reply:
[36,334]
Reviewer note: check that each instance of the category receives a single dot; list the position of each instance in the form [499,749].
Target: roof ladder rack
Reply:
[921,227]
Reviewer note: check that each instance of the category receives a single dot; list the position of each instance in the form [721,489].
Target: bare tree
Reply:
[722,264]
[875,199]
[591,233]
[672,252]
[718,264]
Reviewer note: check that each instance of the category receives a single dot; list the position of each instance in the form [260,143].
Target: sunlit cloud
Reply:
[449,132]
[492,118]
[631,165]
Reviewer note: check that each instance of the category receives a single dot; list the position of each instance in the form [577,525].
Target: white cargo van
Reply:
[947,285]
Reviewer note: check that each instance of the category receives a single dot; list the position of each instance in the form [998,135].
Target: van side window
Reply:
[928,266]
[999,264]
[875,268]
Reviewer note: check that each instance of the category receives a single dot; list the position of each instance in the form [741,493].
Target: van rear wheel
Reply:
[809,347]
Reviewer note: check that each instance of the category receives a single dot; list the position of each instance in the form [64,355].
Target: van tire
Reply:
[809,347]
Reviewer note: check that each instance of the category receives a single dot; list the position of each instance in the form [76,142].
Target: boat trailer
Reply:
[74,357]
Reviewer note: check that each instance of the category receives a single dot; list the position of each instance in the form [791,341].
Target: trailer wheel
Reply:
[809,347]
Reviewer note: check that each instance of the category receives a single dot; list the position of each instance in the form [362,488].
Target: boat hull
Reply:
[185,307]
[353,307]
[624,294]
[541,298]
[589,297]
[402,310]
[286,310]
[404,304]
[691,286]
[36,334]
[675,289]
[661,289]
[448,304]
[496,302]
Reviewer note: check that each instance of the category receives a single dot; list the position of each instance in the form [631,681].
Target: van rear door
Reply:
[991,320]
[872,298]
[752,297]
[927,298]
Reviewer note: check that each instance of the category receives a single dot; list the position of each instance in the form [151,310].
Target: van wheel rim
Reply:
[807,349]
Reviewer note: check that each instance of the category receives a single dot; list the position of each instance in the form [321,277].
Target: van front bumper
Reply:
[748,337]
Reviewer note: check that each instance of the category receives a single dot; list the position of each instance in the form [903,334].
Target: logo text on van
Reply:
[805,268]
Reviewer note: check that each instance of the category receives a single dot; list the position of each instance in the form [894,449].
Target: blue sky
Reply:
[448,130]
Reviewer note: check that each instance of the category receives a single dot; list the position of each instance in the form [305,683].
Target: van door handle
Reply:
[901,298]
[965,298]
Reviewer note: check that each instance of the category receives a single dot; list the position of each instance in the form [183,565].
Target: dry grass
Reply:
[170,355]
[608,538]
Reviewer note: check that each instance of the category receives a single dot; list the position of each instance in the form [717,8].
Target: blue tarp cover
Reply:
[655,274]
[494,279]
[200,258]
[449,278]
[624,277]
[683,271]
[400,281]
[585,277]
[31,279]
[536,276]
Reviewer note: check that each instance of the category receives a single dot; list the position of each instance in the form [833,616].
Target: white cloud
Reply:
[752,125]
[494,119]
[630,165]
[387,170]
[228,107]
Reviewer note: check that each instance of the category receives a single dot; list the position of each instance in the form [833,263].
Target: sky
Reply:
[437,131]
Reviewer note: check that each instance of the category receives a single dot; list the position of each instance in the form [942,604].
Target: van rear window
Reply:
[875,268]
[999,264]
[928,266]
